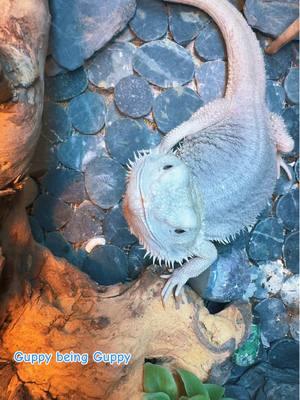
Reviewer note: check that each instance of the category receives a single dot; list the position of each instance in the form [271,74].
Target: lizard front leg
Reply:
[206,255]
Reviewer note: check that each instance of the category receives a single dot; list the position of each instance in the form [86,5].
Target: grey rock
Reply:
[271,17]
[287,209]
[66,86]
[150,21]
[284,354]
[159,62]
[56,125]
[209,44]
[291,252]
[80,28]
[116,229]
[291,85]
[290,292]
[110,65]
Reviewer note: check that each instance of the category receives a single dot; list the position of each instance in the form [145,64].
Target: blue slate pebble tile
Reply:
[56,123]
[65,184]
[112,114]
[116,230]
[137,261]
[273,319]
[105,181]
[52,68]
[107,265]
[87,112]
[237,392]
[287,209]
[297,169]
[275,97]
[133,96]
[175,106]
[111,64]
[36,230]
[211,80]
[252,380]
[266,212]
[228,278]
[284,184]
[266,240]
[291,85]
[125,36]
[150,21]
[164,63]
[291,120]
[51,213]
[285,354]
[273,391]
[277,65]
[78,150]
[209,44]
[125,137]
[271,17]
[60,247]
[85,223]
[66,86]
[82,27]
[186,22]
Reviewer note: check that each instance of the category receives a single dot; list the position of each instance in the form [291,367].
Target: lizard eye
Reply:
[179,231]
[168,166]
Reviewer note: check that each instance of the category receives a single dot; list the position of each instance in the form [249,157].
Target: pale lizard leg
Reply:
[284,142]
[206,256]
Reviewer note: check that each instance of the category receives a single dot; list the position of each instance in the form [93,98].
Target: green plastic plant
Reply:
[160,384]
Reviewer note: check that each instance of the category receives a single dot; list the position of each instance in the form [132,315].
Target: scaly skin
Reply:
[225,170]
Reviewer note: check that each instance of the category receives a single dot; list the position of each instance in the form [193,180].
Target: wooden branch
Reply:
[51,306]
[24,29]
[289,34]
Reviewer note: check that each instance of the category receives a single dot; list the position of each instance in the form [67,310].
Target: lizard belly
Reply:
[235,173]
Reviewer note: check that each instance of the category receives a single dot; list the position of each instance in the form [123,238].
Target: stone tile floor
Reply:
[170,61]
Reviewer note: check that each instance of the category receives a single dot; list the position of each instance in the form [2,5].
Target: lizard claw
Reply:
[177,280]
[282,164]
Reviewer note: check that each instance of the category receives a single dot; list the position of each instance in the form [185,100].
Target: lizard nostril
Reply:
[167,166]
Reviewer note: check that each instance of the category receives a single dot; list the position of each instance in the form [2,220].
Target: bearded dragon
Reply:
[178,202]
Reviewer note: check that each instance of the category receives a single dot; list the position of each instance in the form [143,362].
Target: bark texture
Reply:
[24,26]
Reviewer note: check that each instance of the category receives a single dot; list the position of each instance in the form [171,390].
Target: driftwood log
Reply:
[47,305]
[24,26]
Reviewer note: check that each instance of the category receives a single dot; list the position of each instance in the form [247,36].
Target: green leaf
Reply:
[159,379]
[193,386]
[215,391]
[198,397]
[228,398]
[156,396]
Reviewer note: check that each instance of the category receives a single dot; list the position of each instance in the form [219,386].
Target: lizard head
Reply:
[161,206]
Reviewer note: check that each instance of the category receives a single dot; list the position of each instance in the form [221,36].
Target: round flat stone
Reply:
[66,86]
[51,213]
[275,97]
[290,292]
[150,21]
[266,240]
[287,209]
[291,252]
[291,85]
[65,184]
[56,124]
[164,63]
[105,181]
[79,150]
[112,114]
[291,120]
[211,80]
[137,261]
[36,230]
[116,229]
[133,96]
[125,137]
[52,68]
[175,106]
[85,223]
[284,184]
[285,354]
[110,65]
[209,44]
[107,265]
[87,112]
[236,392]
[277,65]
[273,319]
[186,22]
[294,327]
